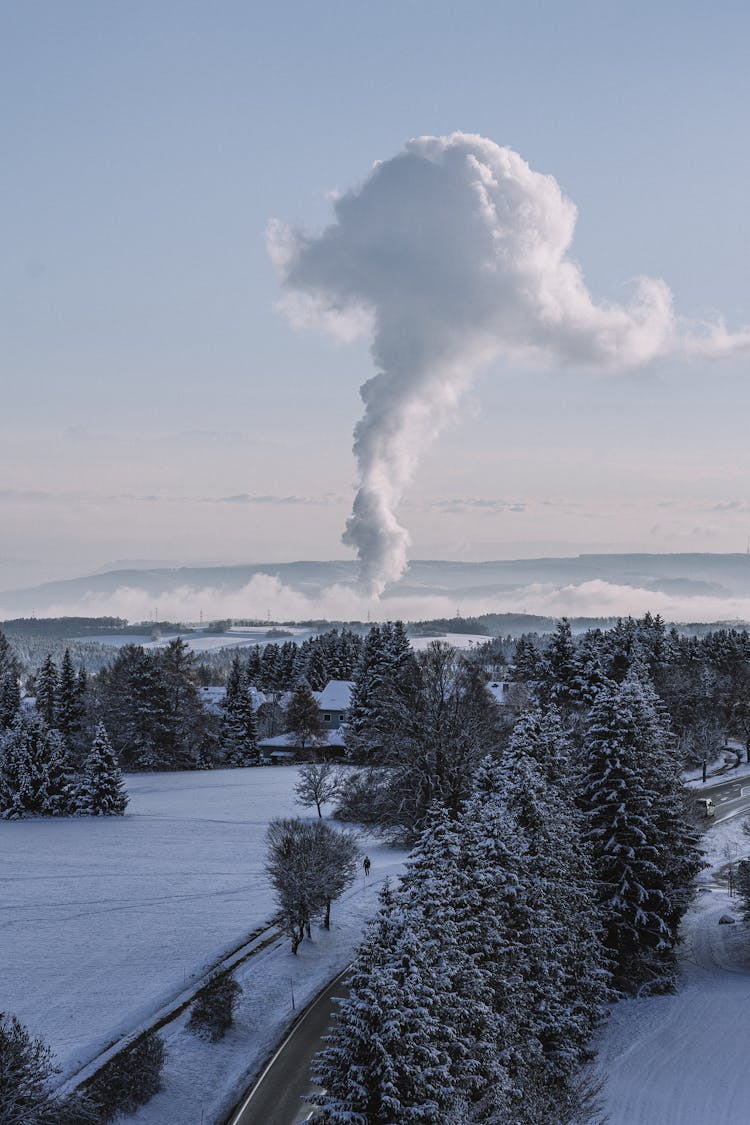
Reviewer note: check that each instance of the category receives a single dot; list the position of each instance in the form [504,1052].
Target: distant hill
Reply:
[503,586]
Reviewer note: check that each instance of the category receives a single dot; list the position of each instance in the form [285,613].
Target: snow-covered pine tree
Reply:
[101,789]
[302,718]
[69,708]
[383,1061]
[35,778]
[183,714]
[497,924]
[362,738]
[238,735]
[567,975]
[10,698]
[60,784]
[433,891]
[46,691]
[560,666]
[682,855]
[385,682]
[635,835]
[10,679]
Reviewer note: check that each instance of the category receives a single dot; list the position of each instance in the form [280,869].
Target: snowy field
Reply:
[203,1081]
[680,1059]
[246,636]
[102,921]
[237,637]
[457,640]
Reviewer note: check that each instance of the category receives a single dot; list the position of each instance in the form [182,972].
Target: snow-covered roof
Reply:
[498,690]
[335,696]
[284,741]
[212,698]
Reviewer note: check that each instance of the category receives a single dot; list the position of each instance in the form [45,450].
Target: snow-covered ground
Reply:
[680,1059]
[202,1081]
[457,640]
[104,920]
[237,637]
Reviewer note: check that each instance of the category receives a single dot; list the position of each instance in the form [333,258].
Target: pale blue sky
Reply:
[147,376]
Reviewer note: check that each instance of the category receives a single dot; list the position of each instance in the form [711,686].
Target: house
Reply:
[334,701]
[286,747]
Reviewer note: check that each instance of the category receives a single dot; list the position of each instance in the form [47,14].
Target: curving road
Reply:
[276,1098]
[730,796]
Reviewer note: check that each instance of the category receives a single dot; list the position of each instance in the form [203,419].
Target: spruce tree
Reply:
[567,972]
[101,788]
[644,854]
[385,683]
[35,777]
[383,1060]
[10,698]
[46,691]
[69,708]
[303,720]
[238,736]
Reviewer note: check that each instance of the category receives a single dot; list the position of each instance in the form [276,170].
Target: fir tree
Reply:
[385,682]
[101,788]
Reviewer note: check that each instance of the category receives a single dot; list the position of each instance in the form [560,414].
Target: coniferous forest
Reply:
[553,851]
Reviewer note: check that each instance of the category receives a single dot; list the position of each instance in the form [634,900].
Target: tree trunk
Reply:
[327,919]
[317,805]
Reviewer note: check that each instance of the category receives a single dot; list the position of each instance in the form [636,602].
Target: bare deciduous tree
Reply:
[310,865]
[318,782]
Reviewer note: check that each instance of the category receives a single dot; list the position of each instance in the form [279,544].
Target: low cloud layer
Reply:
[265,595]
[451,253]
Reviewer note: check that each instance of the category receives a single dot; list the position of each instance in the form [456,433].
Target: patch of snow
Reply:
[103,920]
[679,1059]
[209,1078]
[457,640]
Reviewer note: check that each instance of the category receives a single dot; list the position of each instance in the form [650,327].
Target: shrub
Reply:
[212,1013]
[130,1079]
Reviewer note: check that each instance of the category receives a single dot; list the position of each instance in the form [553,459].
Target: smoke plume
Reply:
[450,253]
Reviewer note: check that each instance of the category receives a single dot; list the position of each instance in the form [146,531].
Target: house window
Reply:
[326,718]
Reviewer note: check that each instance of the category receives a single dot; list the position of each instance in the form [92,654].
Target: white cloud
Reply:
[452,252]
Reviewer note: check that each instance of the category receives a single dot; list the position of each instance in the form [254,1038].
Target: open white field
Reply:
[680,1059]
[103,919]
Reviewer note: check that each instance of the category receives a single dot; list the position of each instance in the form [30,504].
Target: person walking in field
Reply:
[366,865]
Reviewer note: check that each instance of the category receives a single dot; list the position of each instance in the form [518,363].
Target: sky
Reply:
[157,403]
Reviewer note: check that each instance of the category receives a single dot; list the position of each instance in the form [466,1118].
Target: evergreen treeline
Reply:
[703,682]
[38,776]
[477,988]
[554,861]
[151,702]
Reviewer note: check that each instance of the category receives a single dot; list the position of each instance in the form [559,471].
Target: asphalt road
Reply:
[276,1098]
[730,797]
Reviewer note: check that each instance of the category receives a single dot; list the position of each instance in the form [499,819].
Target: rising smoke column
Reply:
[451,252]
